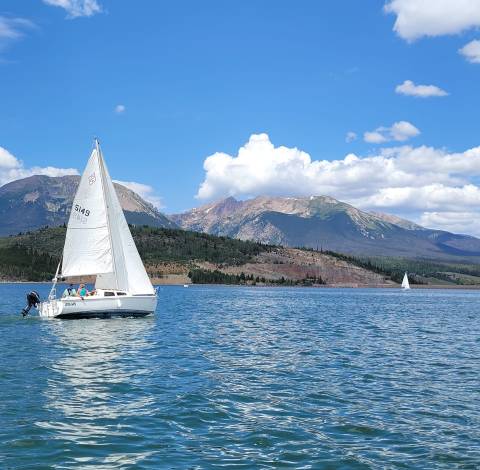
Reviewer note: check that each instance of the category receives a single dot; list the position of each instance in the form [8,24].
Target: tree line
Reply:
[204,276]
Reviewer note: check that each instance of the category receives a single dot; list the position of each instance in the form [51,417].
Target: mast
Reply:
[109,226]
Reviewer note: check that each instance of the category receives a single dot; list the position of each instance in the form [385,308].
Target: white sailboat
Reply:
[99,243]
[405,283]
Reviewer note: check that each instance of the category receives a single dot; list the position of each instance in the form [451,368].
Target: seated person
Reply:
[92,293]
[82,291]
[69,291]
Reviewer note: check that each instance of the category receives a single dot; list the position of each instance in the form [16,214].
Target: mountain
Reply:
[39,200]
[323,222]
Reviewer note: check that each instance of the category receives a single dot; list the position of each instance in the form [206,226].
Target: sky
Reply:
[375,103]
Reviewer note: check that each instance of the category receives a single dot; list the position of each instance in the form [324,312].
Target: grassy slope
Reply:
[34,256]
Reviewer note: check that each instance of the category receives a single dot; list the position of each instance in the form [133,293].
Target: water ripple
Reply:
[246,378]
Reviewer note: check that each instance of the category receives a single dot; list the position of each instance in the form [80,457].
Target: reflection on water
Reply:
[246,378]
[95,385]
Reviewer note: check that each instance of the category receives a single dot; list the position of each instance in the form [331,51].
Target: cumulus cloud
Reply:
[7,160]
[350,137]
[399,131]
[12,169]
[76,8]
[144,191]
[120,108]
[409,88]
[428,185]
[416,18]
[471,51]
[458,222]
[12,29]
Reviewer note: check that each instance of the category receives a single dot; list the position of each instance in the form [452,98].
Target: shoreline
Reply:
[323,286]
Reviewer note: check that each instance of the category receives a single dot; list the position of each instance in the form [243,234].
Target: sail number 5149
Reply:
[82,210]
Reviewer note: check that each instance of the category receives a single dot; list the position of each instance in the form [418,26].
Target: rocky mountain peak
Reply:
[40,200]
[323,221]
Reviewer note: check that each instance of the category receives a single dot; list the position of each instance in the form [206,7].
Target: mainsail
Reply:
[98,240]
[405,283]
[88,249]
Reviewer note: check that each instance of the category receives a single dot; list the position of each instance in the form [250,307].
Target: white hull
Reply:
[99,307]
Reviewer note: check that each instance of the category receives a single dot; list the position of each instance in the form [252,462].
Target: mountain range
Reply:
[322,222]
[39,200]
[318,222]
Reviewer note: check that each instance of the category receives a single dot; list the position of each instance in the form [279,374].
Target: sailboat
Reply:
[405,283]
[99,243]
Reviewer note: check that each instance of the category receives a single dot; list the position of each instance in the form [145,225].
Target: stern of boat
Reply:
[50,308]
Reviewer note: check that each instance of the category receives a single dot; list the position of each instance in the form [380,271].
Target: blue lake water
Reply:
[225,377]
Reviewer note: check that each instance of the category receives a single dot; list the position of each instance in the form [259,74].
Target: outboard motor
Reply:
[33,299]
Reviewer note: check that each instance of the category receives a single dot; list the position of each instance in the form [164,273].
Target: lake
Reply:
[238,377]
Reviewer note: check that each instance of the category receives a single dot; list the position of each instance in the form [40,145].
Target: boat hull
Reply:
[99,307]
[102,314]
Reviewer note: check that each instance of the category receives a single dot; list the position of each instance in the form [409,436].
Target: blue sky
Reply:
[196,78]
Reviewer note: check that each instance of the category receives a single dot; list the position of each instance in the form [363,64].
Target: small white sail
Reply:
[405,283]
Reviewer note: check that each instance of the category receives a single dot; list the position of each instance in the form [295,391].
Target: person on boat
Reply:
[69,291]
[82,291]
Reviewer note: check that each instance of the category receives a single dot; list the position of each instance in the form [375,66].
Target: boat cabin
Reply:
[99,293]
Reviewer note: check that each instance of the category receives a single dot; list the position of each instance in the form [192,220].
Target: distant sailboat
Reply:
[99,243]
[405,283]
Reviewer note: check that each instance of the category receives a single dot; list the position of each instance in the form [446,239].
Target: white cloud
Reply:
[458,222]
[76,8]
[120,108]
[374,137]
[400,131]
[7,160]
[418,18]
[144,191]
[471,51]
[350,137]
[431,197]
[428,185]
[403,130]
[421,91]
[12,169]
[12,29]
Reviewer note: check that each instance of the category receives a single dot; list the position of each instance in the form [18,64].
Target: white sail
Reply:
[405,283]
[98,238]
[88,248]
[130,274]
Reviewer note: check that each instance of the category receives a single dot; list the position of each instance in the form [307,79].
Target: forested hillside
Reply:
[34,256]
